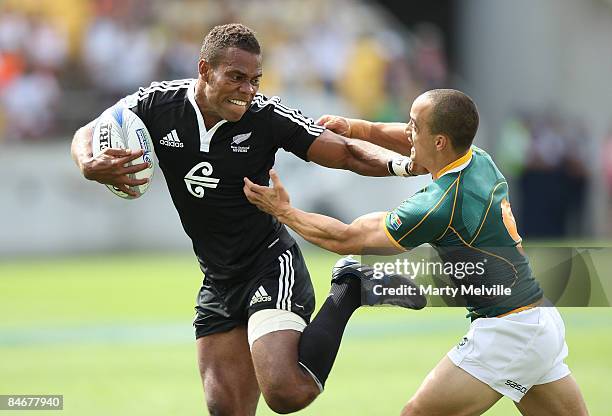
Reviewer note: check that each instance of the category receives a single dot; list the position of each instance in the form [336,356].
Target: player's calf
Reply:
[285,386]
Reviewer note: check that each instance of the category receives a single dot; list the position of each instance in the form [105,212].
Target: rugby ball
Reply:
[119,127]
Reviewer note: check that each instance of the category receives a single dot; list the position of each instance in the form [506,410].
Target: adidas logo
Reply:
[260,296]
[171,139]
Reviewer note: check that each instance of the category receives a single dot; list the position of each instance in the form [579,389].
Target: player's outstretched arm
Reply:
[392,136]
[334,151]
[109,166]
[365,235]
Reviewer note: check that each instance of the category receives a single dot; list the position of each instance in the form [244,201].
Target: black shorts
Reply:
[283,283]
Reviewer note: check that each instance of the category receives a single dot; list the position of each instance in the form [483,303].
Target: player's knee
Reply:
[220,408]
[285,399]
[223,401]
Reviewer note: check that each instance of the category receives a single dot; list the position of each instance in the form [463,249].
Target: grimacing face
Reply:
[232,84]
[423,146]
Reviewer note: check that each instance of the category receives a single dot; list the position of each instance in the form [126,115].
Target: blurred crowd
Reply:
[63,61]
[549,158]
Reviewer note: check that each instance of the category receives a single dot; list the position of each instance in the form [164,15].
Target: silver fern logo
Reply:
[236,140]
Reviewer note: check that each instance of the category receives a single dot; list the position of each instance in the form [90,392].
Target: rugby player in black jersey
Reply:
[256,298]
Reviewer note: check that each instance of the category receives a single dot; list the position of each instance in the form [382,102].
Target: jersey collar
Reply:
[457,165]
[205,135]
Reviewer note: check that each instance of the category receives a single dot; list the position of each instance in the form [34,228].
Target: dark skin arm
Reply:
[334,151]
[109,166]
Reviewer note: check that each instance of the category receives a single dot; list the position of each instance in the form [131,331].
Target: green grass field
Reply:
[113,335]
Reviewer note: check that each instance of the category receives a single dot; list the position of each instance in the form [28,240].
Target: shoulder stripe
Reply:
[142,94]
[261,102]
[431,210]
[173,83]
[310,128]
[290,113]
[163,86]
[487,212]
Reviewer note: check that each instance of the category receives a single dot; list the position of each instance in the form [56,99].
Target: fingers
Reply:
[134,182]
[132,154]
[113,151]
[122,161]
[135,154]
[121,156]
[323,119]
[134,168]
[250,194]
[275,179]
[253,187]
[126,189]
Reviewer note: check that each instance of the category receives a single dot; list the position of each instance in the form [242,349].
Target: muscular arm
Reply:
[109,166]
[334,151]
[392,136]
[365,235]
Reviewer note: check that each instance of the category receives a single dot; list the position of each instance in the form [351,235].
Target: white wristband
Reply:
[400,166]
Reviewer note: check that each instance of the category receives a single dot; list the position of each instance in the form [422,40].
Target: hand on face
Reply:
[273,200]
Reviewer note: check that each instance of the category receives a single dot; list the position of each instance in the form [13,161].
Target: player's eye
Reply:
[255,82]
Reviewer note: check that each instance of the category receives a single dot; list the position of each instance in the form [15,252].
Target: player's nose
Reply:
[247,88]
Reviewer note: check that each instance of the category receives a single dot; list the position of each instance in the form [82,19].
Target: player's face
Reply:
[423,147]
[231,85]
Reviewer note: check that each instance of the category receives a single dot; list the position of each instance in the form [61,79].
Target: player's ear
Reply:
[204,69]
[441,142]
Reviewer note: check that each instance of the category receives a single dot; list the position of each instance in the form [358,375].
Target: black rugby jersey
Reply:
[204,171]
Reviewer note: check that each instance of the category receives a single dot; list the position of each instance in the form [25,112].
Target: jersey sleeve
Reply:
[140,103]
[294,132]
[423,218]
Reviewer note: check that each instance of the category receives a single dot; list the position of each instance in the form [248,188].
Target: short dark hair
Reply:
[455,115]
[233,35]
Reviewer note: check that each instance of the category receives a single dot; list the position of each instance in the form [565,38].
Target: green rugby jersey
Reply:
[465,215]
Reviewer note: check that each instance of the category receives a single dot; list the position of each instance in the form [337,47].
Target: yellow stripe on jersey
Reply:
[453,210]
[505,260]
[454,164]
[487,213]
[431,210]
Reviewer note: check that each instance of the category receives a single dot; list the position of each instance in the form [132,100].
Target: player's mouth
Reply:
[241,103]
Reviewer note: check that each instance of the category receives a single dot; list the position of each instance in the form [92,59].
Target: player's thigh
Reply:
[284,383]
[281,304]
[450,391]
[558,398]
[227,372]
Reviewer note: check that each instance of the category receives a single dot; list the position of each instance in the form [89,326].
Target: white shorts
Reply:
[515,352]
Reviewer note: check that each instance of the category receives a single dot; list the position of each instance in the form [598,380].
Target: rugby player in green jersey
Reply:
[515,346]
